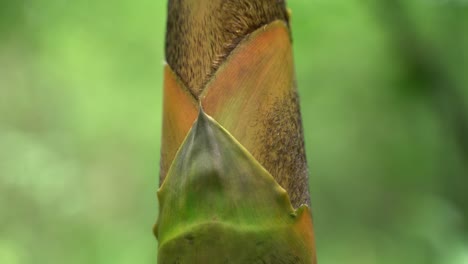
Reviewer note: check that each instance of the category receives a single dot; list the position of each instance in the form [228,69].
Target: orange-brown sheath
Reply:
[232,61]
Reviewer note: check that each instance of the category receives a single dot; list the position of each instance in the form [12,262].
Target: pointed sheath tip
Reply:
[215,190]
[201,113]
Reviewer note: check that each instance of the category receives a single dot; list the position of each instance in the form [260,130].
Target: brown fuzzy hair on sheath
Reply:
[202,33]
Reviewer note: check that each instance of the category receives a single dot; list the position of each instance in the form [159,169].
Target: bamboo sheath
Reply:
[233,166]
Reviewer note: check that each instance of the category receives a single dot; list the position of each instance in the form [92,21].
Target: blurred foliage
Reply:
[384,92]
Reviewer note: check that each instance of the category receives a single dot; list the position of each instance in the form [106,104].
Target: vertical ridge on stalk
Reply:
[179,113]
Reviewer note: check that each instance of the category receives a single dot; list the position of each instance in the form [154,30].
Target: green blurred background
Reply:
[384,93]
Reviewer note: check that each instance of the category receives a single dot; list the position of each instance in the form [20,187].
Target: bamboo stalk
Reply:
[230,68]
[200,37]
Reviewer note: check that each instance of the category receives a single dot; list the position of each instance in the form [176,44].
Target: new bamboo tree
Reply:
[233,164]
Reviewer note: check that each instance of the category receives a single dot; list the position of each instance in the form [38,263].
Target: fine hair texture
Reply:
[202,33]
